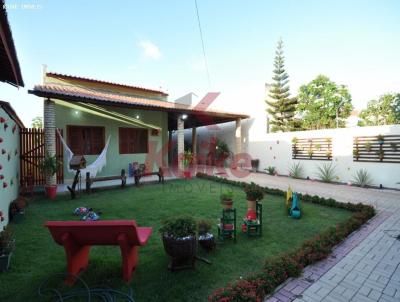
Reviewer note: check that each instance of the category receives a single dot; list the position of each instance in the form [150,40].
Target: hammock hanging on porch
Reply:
[94,167]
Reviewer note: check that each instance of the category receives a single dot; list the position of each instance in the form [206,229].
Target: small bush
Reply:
[296,170]
[271,170]
[362,178]
[179,227]
[326,172]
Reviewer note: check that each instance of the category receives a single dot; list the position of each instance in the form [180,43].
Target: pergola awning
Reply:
[106,113]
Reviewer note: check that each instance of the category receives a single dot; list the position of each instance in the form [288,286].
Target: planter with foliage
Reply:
[227,199]
[49,167]
[7,244]
[206,238]
[187,161]
[17,209]
[179,239]
[368,146]
[381,139]
[222,153]
[254,193]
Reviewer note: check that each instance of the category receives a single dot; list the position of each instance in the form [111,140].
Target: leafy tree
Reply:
[281,108]
[320,100]
[384,111]
[37,122]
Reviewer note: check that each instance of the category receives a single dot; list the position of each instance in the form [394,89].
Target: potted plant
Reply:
[226,199]
[206,239]
[295,140]
[254,193]
[381,154]
[222,152]
[381,139]
[328,154]
[49,167]
[310,152]
[356,153]
[368,146]
[254,164]
[318,147]
[271,170]
[7,244]
[187,161]
[17,209]
[179,240]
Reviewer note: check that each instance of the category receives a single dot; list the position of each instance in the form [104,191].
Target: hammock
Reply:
[94,167]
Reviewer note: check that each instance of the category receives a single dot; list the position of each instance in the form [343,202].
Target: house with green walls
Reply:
[136,122]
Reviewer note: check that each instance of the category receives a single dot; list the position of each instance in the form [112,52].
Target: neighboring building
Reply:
[140,121]
[10,125]
[9,122]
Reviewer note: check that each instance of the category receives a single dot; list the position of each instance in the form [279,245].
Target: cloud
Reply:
[150,50]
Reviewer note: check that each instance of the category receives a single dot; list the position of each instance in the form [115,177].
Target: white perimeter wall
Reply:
[274,149]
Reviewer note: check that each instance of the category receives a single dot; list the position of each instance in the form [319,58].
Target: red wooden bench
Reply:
[78,236]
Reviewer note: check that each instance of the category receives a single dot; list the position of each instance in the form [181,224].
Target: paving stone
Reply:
[361,298]
[385,298]
[375,295]
[390,291]
[365,290]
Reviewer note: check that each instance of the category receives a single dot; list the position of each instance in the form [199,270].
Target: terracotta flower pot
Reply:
[51,191]
[187,174]
[227,203]
[251,204]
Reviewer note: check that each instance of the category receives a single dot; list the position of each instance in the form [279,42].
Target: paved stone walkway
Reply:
[366,266]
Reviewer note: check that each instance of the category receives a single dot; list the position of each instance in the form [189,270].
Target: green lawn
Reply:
[37,257]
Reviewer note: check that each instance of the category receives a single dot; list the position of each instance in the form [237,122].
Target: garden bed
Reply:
[37,257]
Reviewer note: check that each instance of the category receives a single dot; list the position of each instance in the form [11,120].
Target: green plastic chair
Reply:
[227,225]
[254,228]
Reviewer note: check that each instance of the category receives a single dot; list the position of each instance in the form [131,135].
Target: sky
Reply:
[157,44]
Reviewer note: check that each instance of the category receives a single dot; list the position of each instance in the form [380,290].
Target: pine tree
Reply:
[281,108]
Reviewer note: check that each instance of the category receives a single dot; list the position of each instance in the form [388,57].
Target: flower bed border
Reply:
[257,285]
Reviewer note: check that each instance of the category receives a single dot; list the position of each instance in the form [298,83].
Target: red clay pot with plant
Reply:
[51,191]
[49,167]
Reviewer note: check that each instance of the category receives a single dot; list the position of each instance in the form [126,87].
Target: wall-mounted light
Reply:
[137,116]
[184,116]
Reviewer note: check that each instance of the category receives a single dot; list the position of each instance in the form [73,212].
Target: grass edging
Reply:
[257,285]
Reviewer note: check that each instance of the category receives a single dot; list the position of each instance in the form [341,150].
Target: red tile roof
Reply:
[10,71]
[68,77]
[10,111]
[85,94]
